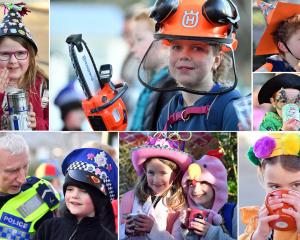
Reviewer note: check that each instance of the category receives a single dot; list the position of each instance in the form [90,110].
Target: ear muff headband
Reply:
[163,9]
[220,12]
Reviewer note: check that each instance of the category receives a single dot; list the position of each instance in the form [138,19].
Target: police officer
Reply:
[25,202]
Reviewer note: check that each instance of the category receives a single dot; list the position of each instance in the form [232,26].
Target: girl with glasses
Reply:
[19,69]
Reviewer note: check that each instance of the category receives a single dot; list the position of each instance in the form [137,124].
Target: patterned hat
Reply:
[274,14]
[95,167]
[163,147]
[12,24]
[275,144]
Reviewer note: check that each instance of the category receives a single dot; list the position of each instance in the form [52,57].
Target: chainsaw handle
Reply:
[123,86]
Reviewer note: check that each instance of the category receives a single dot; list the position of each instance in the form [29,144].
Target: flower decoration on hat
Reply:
[95,167]
[274,145]
[12,24]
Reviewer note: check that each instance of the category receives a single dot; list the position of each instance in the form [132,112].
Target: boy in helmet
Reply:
[281,37]
[198,34]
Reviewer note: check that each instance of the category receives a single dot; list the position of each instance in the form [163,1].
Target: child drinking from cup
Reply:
[278,162]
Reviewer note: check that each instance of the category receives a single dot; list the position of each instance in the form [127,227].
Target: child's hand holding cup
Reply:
[285,222]
[197,213]
[131,224]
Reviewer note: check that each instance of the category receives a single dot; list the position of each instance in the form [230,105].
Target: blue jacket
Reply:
[221,115]
[276,63]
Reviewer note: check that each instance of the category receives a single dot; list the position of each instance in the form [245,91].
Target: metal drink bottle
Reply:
[18,108]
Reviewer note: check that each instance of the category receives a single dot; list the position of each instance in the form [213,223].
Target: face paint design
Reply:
[282,98]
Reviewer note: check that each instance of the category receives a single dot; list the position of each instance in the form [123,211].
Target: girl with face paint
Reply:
[283,92]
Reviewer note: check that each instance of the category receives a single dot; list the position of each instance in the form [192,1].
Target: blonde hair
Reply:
[176,201]
[143,16]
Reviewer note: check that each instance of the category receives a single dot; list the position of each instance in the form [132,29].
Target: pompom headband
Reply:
[274,145]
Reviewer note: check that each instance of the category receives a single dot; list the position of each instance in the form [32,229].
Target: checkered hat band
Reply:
[83,166]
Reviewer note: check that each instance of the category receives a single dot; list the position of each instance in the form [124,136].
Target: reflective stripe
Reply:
[13,234]
[30,206]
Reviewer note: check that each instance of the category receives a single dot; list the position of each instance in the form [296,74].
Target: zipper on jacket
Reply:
[75,231]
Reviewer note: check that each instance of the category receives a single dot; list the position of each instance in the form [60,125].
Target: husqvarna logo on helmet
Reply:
[190,19]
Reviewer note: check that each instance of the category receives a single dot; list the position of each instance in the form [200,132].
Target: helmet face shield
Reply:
[193,64]
[203,25]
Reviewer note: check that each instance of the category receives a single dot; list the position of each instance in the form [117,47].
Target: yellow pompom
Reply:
[194,171]
[290,144]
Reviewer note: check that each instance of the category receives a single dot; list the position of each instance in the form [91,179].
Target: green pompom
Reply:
[252,157]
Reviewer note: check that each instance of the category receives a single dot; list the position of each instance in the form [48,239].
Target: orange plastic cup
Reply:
[285,222]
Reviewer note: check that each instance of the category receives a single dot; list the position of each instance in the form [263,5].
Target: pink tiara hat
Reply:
[161,147]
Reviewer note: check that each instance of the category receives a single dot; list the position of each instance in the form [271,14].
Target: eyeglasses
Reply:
[20,55]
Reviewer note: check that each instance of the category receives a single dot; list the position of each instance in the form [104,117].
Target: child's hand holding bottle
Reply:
[31,118]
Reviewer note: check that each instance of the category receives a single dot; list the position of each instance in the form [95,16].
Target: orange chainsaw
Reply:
[103,105]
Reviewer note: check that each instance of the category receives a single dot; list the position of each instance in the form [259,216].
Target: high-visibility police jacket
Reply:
[19,215]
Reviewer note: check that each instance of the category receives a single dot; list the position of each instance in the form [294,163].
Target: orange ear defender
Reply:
[103,107]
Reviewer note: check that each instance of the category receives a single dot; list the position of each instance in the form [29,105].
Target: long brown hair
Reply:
[176,201]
